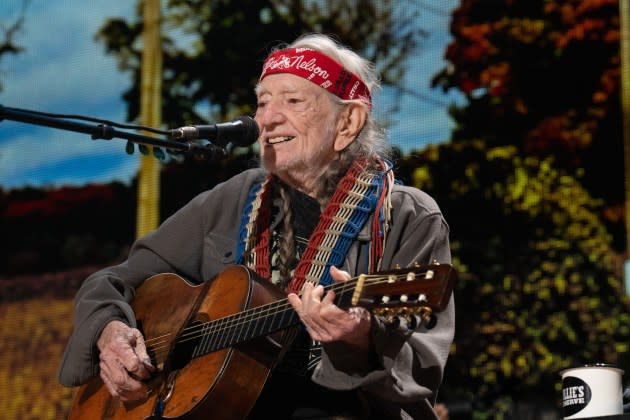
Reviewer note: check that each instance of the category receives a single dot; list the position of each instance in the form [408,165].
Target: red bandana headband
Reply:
[320,69]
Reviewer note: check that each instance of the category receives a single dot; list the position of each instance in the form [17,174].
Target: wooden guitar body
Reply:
[220,385]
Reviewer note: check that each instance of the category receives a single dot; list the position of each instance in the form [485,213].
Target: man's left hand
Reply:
[325,321]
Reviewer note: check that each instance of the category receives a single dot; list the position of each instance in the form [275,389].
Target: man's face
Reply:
[297,129]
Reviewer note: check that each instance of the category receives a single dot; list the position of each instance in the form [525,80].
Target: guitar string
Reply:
[266,306]
[251,312]
[160,344]
[218,327]
[248,316]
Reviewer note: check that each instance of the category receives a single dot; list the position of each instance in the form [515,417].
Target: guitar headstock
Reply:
[417,290]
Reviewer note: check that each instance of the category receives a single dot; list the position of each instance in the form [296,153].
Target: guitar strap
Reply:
[360,193]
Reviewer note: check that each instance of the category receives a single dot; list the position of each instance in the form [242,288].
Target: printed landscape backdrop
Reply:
[508,112]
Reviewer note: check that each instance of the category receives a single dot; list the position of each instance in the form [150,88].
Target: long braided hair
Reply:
[287,258]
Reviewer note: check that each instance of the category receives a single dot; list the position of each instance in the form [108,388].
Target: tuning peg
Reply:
[129,148]
[143,149]
[411,321]
[389,317]
[392,322]
[411,276]
[428,319]
[390,279]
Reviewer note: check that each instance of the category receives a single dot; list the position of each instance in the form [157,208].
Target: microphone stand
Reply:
[103,131]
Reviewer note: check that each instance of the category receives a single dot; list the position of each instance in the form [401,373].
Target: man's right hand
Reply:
[124,361]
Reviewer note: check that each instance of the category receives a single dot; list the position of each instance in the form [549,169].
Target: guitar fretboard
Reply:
[253,323]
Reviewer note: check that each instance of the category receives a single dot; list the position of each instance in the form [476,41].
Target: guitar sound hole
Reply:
[185,347]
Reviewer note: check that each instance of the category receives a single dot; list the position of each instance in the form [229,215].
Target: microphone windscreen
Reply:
[249,133]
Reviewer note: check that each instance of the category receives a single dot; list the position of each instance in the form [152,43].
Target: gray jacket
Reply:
[199,241]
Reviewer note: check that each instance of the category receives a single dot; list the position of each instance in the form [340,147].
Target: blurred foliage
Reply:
[540,286]
[537,235]
[544,76]
[29,353]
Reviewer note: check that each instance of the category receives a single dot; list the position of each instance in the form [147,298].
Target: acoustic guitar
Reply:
[215,344]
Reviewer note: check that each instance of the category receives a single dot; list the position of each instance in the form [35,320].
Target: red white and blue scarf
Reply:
[359,194]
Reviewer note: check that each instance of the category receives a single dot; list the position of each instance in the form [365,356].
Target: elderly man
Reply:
[323,208]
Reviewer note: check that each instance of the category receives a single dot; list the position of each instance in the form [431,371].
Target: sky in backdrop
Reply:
[63,70]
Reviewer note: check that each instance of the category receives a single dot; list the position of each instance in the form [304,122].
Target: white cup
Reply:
[591,391]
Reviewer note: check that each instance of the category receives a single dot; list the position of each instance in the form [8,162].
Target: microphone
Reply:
[242,131]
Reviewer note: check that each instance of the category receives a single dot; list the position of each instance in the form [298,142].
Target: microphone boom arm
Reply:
[104,131]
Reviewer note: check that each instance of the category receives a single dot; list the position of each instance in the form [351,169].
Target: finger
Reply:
[306,291]
[140,350]
[118,374]
[329,312]
[308,313]
[138,371]
[120,385]
[134,367]
[108,363]
[127,388]
[310,298]
[316,294]
[329,299]
[107,381]
[133,355]
[138,392]
[295,301]
[339,275]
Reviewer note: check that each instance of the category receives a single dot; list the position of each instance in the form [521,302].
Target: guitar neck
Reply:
[257,322]
[399,291]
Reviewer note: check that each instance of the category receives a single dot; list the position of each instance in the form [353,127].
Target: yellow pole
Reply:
[624,24]
[147,213]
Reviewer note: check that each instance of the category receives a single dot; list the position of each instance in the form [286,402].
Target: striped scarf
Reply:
[359,194]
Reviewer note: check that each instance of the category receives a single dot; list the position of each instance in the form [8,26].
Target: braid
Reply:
[287,258]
